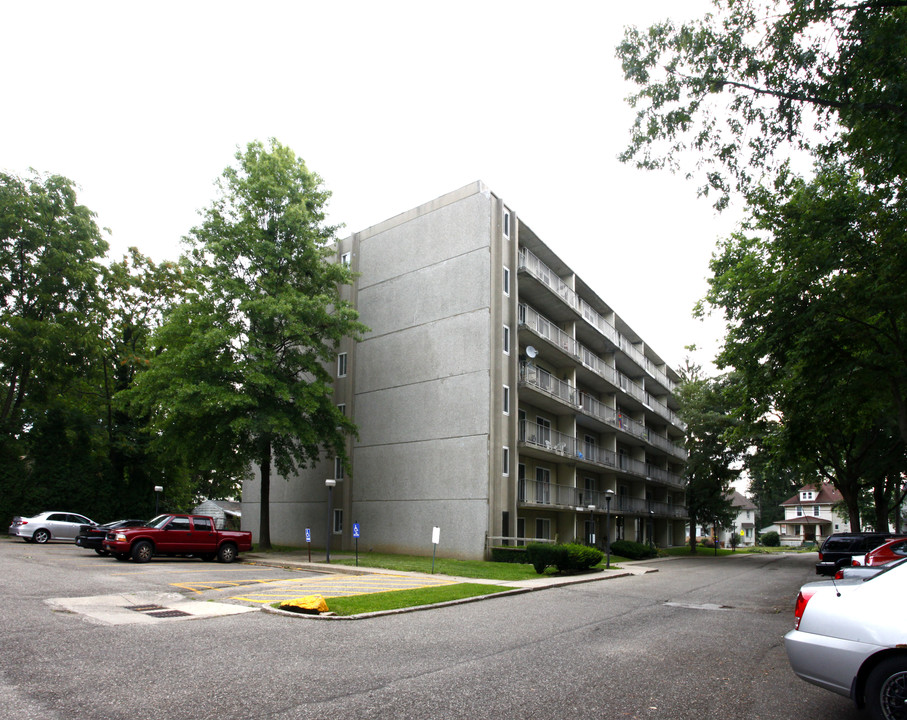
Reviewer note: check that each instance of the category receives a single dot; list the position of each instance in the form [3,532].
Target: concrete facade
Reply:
[497,397]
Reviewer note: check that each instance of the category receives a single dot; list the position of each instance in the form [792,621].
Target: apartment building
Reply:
[499,399]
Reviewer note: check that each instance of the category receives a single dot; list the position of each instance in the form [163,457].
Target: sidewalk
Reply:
[299,559]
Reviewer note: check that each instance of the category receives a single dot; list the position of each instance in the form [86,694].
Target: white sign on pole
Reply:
[436,535]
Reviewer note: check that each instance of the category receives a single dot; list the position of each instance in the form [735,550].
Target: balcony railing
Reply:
[535,267]
[541,492]
[559,444]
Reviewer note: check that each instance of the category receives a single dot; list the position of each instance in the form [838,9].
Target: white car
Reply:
[52,525]
[850,637]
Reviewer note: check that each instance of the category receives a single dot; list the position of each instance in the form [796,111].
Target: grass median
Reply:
[398,599]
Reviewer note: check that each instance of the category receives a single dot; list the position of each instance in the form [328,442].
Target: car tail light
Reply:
[802,598]
[840,574]
[820,557]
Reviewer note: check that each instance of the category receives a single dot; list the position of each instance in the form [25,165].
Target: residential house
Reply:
[809,516]
[498,397]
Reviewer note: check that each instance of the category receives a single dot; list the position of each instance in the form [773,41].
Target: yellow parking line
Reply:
[341,587]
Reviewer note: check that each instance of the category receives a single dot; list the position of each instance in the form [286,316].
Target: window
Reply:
[542,528]
[521,483]
[816,511]
[338,468]
[345,259]
[342,408]
[338,521]
[202,524]
[506,461]
[507,281]
[544,430]
[543,486]
[506,223]
[506,400]
[179,523]
[341,365]
[799,511]
[507,340]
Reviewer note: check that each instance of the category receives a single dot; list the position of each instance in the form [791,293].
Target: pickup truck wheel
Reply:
[886,689]
[227,553]
[41,536]
[142,551]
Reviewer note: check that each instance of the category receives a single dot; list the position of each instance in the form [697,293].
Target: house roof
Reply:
[740,501]
[826,494]
[804,520]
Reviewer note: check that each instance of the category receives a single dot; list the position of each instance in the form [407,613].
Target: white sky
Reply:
[392,103]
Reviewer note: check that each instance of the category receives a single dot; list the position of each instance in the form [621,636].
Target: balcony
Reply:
[539,493]
[577,401]
[543,442]
[547,277]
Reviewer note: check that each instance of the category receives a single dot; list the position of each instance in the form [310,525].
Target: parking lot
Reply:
[171,588]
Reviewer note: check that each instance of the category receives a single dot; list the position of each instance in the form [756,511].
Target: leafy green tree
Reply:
[712,463]
[816,314]
[49,271]
[742,87]
[240,376]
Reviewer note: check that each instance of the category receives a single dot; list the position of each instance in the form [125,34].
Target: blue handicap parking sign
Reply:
[308,535]
[355,530]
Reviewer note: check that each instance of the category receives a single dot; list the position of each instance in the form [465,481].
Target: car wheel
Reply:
[41,536]
[227,553]
[142,551]
[886,689]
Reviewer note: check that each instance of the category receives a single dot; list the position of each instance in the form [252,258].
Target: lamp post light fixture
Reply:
[158,489]
[329,483]
[608,495]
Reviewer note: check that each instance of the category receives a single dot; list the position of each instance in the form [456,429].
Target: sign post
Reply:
[356,538]
[435,539]
[308,541]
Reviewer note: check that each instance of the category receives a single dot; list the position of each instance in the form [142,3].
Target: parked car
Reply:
[864,571]
[51,525]
[849,637]
[91,537]
[177,535]
[839,549]
[892,550]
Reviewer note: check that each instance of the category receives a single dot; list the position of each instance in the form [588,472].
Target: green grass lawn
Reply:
[396,599]
[458,568]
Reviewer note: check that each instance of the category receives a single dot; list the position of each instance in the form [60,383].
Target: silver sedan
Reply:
[51,525]
[850,637]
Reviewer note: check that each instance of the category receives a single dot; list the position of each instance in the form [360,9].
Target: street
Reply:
[700,639]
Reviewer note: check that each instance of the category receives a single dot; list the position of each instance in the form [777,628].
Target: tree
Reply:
[240,376]
[816,313]
[743,87]
[705,408]
[49,246]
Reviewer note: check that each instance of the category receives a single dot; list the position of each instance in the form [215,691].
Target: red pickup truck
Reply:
[177,535]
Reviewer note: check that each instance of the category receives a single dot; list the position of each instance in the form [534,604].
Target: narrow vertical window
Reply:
[506,400]
[338,521]
[338,468]
[506,223]
[341,365]
[342,408]
[345,259]
[507,281]
[506,461]
[507,340]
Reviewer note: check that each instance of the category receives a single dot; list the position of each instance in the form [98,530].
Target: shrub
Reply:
[509,555]
[566,558]
[632,550]
[771,539]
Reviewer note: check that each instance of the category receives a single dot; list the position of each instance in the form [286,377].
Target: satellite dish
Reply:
[531,351]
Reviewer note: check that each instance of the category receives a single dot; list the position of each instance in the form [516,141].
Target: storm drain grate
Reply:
[144,608]
[168,613]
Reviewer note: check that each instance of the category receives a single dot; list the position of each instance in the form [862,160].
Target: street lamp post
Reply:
[608,495]
[329,483]
[158,489]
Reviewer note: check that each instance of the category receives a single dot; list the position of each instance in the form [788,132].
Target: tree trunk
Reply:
[264,527]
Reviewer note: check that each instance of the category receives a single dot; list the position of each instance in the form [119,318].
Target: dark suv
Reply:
[838,549]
